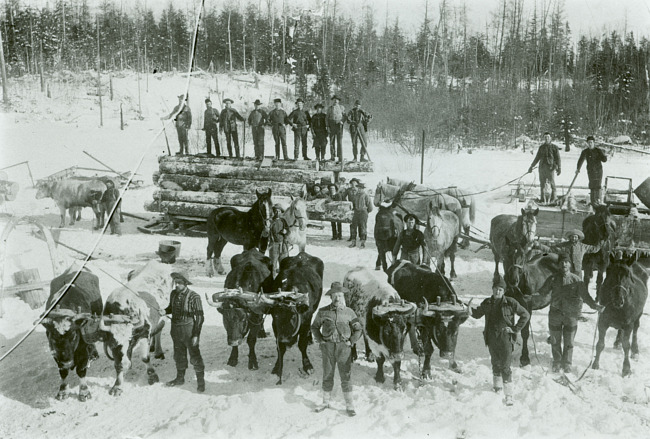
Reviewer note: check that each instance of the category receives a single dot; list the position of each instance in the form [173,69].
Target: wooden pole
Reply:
[5,93]
[110,82]
[138,76]
[99,79]
[422,161]
[41,66]
[121,118]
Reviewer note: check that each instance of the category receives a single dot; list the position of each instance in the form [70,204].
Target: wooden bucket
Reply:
[34,297]
[643,192]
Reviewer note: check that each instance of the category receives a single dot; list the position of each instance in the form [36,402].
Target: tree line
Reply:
[524,73]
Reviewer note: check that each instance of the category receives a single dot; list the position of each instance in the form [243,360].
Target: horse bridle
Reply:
[267,219]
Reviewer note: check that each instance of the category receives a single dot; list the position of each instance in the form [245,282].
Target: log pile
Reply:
[193,186]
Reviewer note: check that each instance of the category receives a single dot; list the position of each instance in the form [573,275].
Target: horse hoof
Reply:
[115,391]
[627,373]
[159,356]
[524,363]
[279,383]
[595,366]
[253,366]
[61,395]
[153,379]
[380,380]
[377,268]
[83,397]
[635,356]
[232,363]
[398,387]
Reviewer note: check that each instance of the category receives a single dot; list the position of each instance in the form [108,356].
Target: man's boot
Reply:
[327,396]
[354,242]
[498,383]
[200,382]
[508,391]
[349,405]
[179,380]
[363,243]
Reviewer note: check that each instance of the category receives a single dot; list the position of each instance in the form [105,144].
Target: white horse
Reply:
[296,219]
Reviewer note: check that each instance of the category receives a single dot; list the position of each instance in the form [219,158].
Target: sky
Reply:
[590,17]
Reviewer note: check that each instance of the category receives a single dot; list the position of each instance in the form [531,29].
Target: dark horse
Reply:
[388,226]
[524,278]
[624,293]
[227,224]
[509,232]
[598,228]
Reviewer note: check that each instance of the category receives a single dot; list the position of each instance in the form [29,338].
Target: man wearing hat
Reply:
[595,158]
[278,119]
[567,292]
[411,240]
[334,195]
[300,121]
[278,249]
[319,131]
[358,120]
[228,125]
[336,328]
[335,120]
[187,320]
[257,119]
[183,122]
[362,206]
[500,334]
[211,127]
[548,158]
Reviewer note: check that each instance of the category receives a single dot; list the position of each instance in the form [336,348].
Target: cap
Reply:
[499,283]
[591,138]
[257,102]
[337,287]
[208,100]
[547,133]
[179,276]
[409,216]
[570,233]
[278,206]
[333,184]
[319,105]
[357,102]
[228,100]
[563,258]
[355,179]
[336,97]
[277,100]
[299,100]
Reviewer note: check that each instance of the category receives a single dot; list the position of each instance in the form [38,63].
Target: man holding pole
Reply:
[595,157]
[228,125]
[183,122]
[548,158]
[358,120]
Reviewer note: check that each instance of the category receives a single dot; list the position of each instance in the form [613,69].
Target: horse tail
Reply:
[211,224]
[472,209]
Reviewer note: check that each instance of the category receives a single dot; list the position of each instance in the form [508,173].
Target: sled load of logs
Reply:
[190,187]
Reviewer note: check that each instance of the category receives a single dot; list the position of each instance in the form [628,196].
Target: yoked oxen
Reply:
[299,285]
[72,326]
[624,293]
[133,317]
[385,316]
[439,313]
[73,194]
[239,303]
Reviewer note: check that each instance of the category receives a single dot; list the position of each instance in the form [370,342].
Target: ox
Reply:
[71,328]
[72,193]
[385,318]
[300,286]
[439,313]
[239,304]
[132,318]
[624,293]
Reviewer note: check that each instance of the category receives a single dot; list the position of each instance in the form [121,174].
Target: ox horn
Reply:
[211,302]
[411,308]
[468,307]
[426,312]
[102,324]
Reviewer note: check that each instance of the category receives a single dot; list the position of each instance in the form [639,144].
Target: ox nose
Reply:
[446,355]
[235,342]
[396,357]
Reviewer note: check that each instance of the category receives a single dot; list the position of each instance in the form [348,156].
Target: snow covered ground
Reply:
[52,133]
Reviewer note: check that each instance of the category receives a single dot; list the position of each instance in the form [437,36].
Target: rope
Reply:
[119,198]
[593,347]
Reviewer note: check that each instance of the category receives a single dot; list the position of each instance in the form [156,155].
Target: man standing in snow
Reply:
[500,334]
[300,121]
[278,119]
[228,125]
[567,293]
[211,128]
[187,320]
[548,158]
[410,241]
[336,328]
[183,123]
[257,120]
[335,120]
[595,157]
[362,206]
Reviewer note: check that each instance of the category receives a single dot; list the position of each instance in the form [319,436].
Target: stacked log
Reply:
[307,165]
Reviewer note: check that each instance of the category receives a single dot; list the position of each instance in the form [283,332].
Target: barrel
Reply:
[34,297]
[643,192]
[168,251]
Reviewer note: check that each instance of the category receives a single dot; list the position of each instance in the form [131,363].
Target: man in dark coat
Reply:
[500,334]
[278,249]
[278,119]
[595,158]
[300,121]
[183,123]
[335,195]
[228,125]
[319,131]
[362,206]
[336,328]
[109,199]
[548,158]
[410,241]
[257,119]
[358,120]
[567,293]
[187,320]
[211,127]
[335,121]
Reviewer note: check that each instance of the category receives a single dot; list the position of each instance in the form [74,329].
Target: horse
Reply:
[441,235]
[468,204]
[388,226]
[509,232]
[599,228]
[523,279]
[296,219]
[624,293]
[227,224]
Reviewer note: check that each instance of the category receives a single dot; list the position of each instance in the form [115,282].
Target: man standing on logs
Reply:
[335,120]
[319,131]
[278,119]
[362,206]
[211,127]
[548,158]
[595,158]
[183,122]
[358,120]
[300,121]
[228,125]
[257,119]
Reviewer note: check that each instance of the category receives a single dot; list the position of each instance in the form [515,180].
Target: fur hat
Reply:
[181,277]
[499,283]
[570,233]
[337,287]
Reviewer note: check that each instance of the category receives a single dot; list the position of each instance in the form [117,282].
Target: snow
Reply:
[52,133]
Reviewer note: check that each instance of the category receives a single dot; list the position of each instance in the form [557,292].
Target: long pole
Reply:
[5,94]
[99,79]
[422,161]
